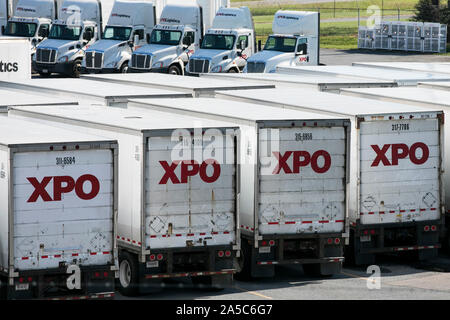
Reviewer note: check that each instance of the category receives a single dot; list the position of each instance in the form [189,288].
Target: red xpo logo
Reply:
[64,184]
[302,159]
[400,151]
[190,168]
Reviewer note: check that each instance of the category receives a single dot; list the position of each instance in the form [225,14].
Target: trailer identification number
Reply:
[304,136]
[60,161]
[400,127]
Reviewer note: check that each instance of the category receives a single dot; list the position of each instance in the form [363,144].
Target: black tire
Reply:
[3,288]
[233,70]
[44,74]
[128,281]
[76,69]
[124,67]
[245,263]
[175,70]
[313,270]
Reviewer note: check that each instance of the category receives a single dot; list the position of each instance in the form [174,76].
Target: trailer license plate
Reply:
[152,264]
[22,286]
[365,238]
[264,249]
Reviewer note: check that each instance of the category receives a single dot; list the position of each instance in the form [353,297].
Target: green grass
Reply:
[333,35]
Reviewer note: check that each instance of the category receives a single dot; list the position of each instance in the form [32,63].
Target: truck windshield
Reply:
[282,44]
[20,29]
[218,42]
[117,33]
[165,37]
[63,32]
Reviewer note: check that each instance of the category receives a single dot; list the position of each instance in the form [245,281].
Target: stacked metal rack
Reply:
[404,36]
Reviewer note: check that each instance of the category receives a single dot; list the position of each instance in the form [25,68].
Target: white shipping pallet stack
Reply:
[404,36]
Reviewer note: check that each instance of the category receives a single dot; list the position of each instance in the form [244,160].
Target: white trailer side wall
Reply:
[4,211]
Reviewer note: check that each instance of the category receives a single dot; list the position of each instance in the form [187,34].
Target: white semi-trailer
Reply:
[129,27]
[294,42]
[178,192]
[58,210]
[397,163]
[294,183]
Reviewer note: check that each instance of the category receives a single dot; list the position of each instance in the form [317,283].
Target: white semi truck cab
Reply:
[172,41]
[128,28]
[79,26]
[227,45]
[32,20]
[294,42]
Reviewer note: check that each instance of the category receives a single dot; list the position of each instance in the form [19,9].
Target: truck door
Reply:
[188,45]
[301,52]
[243,49]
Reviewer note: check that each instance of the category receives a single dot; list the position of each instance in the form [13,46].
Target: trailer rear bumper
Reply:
[189,274]
[96,296]
[302,261]
[398,249]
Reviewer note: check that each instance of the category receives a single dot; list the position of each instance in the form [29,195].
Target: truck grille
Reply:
[199,66]
[45,55]
[94,60]
[141,61]
[256,67]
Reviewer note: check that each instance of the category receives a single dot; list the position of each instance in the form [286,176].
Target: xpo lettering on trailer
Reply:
[58,239]
[396,168]
[428,96]
[293,167]
[178,191]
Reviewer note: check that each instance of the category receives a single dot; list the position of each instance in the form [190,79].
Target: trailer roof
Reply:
[441,85]
[140,120]
[434,67]
[19,132]
[84,87]
[9,97]
[308,79]
[234,110]
[177,83]
[402,77]
[326,102]
[431,97]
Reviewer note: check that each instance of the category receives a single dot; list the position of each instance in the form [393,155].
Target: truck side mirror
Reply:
[187,41]
[3,29]
[242,44]
[148,37]
[136,39]
[301,49]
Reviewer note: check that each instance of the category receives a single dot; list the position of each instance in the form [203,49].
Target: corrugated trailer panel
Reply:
[187,206]
[400,171]
[303,189]
[48,222]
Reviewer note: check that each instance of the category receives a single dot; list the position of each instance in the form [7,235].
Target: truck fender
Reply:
[180,64]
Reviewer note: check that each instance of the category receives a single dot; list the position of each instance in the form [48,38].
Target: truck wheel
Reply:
[3,288]
[314,270]
[212,283]
[128,274]
[124,67]
[232,70]
[76,69]
[44,74]
[175,70]
[245,263]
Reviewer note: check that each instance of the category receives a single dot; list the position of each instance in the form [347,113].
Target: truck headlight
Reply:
[157,65]
[217,69]
[63,59]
